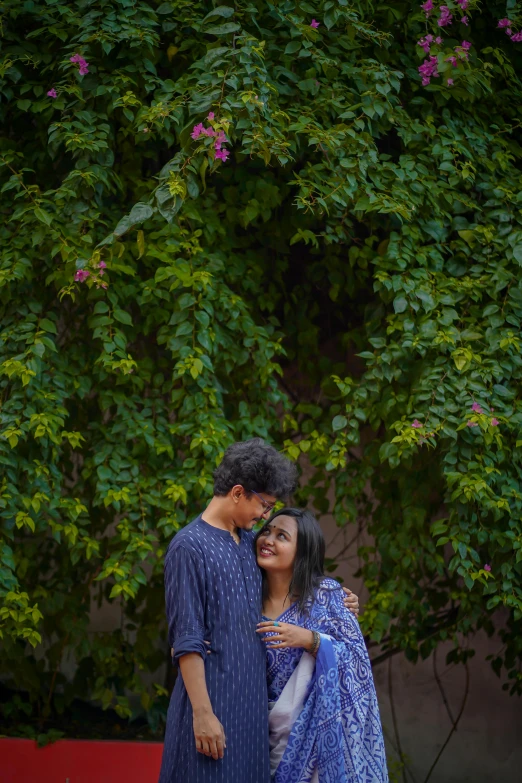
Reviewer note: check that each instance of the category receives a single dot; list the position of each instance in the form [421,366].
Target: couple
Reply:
[320,722]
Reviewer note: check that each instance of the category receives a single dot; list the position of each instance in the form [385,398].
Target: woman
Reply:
[324,717]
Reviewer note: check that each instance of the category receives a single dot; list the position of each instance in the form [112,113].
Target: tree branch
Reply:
[454,727]
[441,687]
[394,719]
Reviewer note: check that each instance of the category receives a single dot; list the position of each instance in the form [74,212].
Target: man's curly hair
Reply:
[256,466]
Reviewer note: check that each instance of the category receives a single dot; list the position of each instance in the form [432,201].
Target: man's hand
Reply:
[209,735]
[351,601]
[208,731]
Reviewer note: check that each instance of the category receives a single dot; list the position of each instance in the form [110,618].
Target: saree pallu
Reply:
[324,720]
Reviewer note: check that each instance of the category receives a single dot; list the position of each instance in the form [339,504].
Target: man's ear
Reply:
[236,493]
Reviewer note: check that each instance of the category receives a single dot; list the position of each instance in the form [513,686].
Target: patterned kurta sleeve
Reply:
[185,597]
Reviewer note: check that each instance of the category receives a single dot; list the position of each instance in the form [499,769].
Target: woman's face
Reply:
[277,544]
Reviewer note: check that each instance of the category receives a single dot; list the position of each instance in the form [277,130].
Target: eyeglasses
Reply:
[267,506]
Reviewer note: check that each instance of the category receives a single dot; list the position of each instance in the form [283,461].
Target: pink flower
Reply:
[464,20]
[197,130]
[427,7]
[517,37]
[210,115]
[314,24]
[220,139]
[81,275]
[221,155]
[504,22]
[476,408]
[492,409]
[463,4]
[416,424]
[462,51]
[428,69]
[450,82]
[508,30]
[452,60]
[487,567]
[438,39]
[52,93]
[471,424]
[101,266]
[425,43]
[208,132]
[494,422]
[82,64]
[445,16]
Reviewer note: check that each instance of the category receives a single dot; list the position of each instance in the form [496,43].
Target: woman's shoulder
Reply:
[327,584]
[327,593]
[329,603]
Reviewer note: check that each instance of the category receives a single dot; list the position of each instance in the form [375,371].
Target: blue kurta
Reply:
[213,593]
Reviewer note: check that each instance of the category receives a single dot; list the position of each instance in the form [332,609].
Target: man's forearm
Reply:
[208,731]
[192,670]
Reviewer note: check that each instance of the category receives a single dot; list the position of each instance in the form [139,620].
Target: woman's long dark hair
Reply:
[309,555]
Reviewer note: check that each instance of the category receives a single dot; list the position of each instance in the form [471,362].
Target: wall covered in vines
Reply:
[300,221]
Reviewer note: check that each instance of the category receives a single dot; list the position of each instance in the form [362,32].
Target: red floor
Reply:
[79,761]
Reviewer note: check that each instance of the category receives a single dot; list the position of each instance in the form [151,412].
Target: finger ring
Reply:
[276,624]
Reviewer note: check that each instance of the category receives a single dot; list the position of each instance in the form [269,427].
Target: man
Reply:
[217,722]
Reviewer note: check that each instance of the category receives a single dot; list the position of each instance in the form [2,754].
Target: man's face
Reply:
[251,507]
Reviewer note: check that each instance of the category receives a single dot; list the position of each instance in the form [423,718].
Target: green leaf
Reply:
[138,214]
[470,334]
[140,241]
[223,29]
[339,423]
[48,326]
[43,216]
[122,316]
[221,10]
[400,304]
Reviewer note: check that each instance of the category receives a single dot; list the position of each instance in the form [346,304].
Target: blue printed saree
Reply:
[327,727]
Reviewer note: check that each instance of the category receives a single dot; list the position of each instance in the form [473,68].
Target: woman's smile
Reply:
[266,552]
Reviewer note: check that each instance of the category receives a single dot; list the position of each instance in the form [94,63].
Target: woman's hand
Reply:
[351,601]
[285,635]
